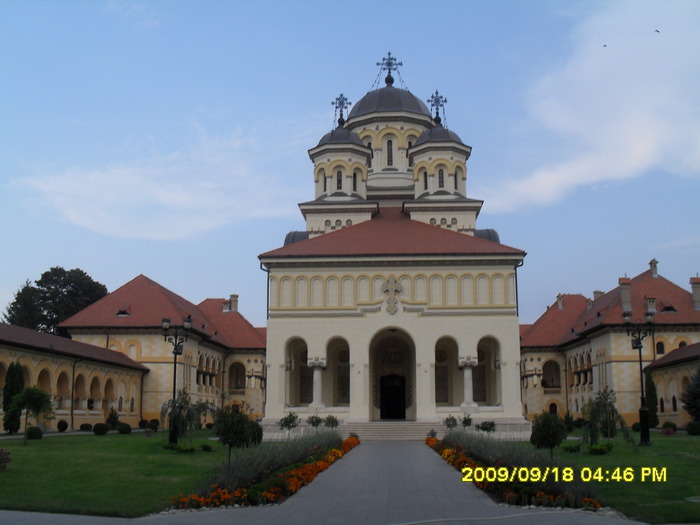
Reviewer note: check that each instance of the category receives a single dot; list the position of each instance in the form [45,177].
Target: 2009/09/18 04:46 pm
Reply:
[565,474]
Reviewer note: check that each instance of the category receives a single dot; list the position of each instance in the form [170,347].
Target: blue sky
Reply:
[170,138]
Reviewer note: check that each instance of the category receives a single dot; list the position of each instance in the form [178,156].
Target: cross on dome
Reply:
[437,101]
[341,103]
[389,64]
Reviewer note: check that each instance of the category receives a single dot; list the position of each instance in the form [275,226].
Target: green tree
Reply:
[14,384]
[233,429]
[35,402]
[57,295]
[289,422]
[185,415]
[604,419]
[652,399]
[548,431]
[691,396]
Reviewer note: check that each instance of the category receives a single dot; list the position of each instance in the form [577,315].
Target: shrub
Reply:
[113,419]
[450,422]
[330,422]
[693,428]
[34,433]
[548,431]
[669,424]
[206,447]
[143,424]
[691,396]
[636,427]
[569,422]
[314,421]
[487,426]
[255,432]
[124,428]
[100,429]
[62,425]
[571,448]
[668,431]
[288,422]
[86,427]
[467,420]
[4,459]
[600,450]
[432,433]
[153,425]
[210,425]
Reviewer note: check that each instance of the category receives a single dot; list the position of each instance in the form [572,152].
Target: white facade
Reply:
[401,310]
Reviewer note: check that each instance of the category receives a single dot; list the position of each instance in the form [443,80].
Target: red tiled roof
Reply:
[391,232]
[674,305]
[677,356]
[143,303]
[555,324]
[140,303]
[235,329]
[53,344]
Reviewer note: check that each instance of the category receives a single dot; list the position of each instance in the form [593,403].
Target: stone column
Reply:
[318,365]
[467,364]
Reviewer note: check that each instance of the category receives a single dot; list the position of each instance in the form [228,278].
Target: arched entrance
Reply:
[392,362]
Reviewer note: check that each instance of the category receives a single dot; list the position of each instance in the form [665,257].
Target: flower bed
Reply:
[513,493]
[275,488]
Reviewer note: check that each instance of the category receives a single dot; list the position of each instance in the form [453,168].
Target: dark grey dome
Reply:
[341,135]
[438,134]
[388,99]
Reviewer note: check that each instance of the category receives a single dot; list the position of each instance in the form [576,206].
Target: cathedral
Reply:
[392,304]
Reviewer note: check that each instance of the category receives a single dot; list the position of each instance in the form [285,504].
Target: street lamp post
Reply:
[638,331]
[177,341]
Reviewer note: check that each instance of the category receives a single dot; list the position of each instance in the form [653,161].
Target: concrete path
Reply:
[380,482]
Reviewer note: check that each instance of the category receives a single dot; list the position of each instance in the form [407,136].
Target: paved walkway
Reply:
[377,483]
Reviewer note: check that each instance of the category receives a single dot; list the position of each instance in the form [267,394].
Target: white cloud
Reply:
[143,17]
[218,181]
[626,102]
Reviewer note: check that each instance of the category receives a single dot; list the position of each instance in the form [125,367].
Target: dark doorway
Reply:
[393,397]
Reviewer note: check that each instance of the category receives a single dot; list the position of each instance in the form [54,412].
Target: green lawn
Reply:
[115,475]
[649,501]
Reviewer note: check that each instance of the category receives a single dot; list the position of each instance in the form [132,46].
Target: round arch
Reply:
[392,355]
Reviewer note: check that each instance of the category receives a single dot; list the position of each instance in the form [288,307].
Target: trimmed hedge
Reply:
[62,425]
[100,429]
[124,428]
[693,428]
[86,427]
[34,433]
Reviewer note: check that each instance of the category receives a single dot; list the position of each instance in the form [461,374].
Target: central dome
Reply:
[388,99]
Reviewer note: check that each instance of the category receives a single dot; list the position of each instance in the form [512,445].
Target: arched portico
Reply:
[392,375]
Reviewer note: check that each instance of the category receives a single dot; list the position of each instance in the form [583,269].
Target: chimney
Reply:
[597,294]
[231,305]
[625,293]
[695,289]
[654,267]
[560,301]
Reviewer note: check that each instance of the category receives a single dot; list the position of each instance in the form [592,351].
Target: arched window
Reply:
[457,174]
[354,182]
[325,183]
[410,160]
[441,178]
[553,408]
[369,145]
[674,404]
[682,344]
[339,180]
[389,152]
[237,376]
[660,348]
[661,405]
[425,181]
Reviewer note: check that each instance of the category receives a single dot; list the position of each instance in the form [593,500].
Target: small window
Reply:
[354,182]
[339,180]
[660,348]
[325,184]
[682,344]
[441,179]
[661,405]
[410,160]
[389,152]
[674,404]
[425,181]
[369,145]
